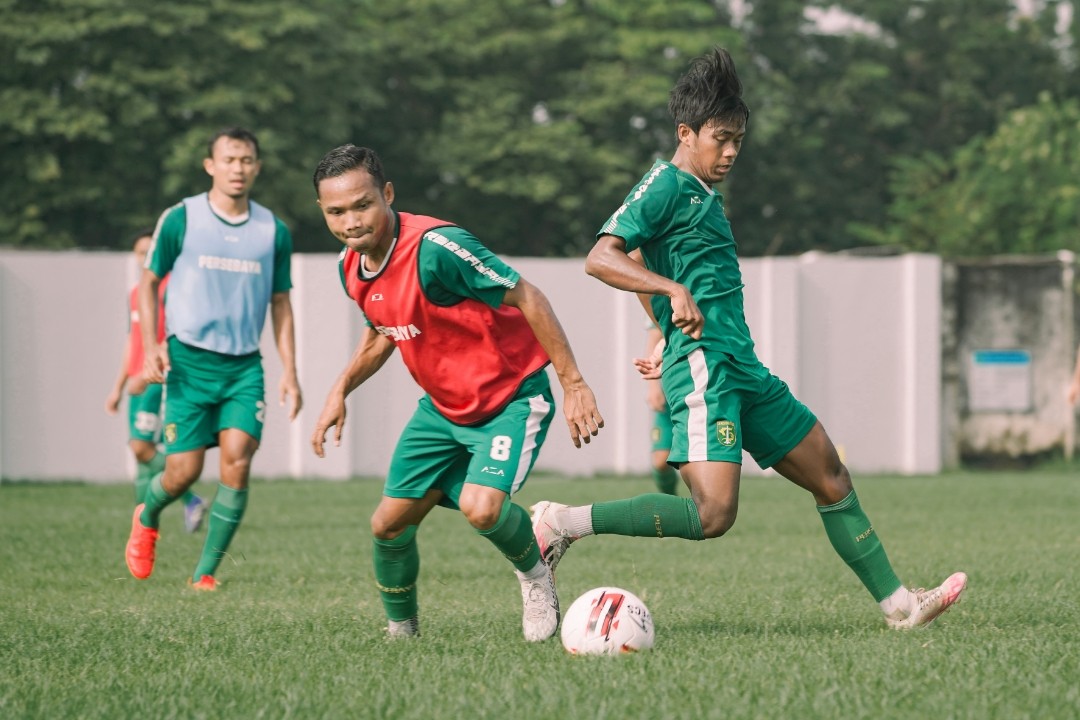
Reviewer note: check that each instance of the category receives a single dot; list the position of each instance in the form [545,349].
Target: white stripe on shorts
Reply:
[538,410]
[697,431]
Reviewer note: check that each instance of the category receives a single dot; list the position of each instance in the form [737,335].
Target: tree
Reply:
[107,104]
[1015,192]
[833,110]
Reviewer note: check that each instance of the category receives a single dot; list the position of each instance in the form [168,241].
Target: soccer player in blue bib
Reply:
[722,399]
[228,260]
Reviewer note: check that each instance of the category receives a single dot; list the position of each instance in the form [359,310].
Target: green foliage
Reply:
[763,623]
[525,121]
[1015,191]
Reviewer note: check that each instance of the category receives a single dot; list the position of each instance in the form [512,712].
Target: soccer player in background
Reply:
[228,259]
[721,397]
[664,475]
[144,401]
[476,337]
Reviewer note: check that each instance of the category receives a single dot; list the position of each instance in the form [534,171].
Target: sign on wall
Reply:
[1000,381]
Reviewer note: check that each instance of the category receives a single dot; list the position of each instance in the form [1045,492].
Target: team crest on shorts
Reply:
[170,433]
[725,432]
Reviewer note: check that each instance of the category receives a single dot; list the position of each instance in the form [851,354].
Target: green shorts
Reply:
[144,415]
[720,407]
[661,431]
[207,392]
[433,452]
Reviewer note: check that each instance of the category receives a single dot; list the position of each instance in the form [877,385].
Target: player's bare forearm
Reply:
[156,362]
[609,262]
[371,353]
[579,405]
[281,314]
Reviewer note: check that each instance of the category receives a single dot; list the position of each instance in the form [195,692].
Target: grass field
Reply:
[764,623]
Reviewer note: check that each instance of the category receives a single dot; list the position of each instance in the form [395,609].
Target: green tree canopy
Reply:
[526,121]
[1017,191]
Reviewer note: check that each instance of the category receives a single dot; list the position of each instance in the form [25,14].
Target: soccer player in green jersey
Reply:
[477,337]
[721,397]
[228,259]
[144,404]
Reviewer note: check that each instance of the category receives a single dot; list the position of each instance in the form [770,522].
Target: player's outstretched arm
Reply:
[371,353]
[579,404]
[609,263]
[281,314]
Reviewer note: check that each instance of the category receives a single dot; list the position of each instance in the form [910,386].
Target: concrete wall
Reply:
[857,339]
[1022,304]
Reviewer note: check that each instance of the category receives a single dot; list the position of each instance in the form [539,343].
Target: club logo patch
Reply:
[170,433]
[725,432]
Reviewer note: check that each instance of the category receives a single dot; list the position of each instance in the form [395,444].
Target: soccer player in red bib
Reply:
[477,338]
[722,399]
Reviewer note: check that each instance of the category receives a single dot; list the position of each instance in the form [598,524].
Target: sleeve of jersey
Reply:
[282,257]
[454,265]
[168,240]
[646,213]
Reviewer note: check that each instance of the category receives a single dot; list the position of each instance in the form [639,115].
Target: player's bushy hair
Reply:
[233,133]
[344,158]
[710,90]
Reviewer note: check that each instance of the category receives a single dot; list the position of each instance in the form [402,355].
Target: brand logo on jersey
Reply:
[725,432]
[695,200]
[170,433]
[232,238]
[376,296]
[468,257]
[493,471]
[398,332]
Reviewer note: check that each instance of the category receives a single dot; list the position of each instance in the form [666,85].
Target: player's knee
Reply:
[716,518]
[482,516]
[383,529]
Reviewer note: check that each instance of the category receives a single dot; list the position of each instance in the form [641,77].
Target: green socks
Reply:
[156,500]
[650,515]
[667,480]
[225,514]
[854,539]
[144,472]
[512,533]
[397,565]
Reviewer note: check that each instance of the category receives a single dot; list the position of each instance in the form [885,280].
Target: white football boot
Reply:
[928,604]
[552,535]
[540,615]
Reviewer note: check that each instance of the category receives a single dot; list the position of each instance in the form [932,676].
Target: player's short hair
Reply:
[233,133]
[710,90]
[139,234]
[345,158]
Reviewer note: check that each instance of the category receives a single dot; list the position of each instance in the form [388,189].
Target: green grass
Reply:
[764,623]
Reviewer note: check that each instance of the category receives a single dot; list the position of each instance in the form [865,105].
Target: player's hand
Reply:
[650,369]
[1073,392]
[332,416]
[112,403]
[290,387]
[156,363]
[685,313]
[582,416]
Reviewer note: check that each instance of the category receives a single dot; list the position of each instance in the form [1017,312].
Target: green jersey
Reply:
[678,223]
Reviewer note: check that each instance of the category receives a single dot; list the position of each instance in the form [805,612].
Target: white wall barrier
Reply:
[857,339]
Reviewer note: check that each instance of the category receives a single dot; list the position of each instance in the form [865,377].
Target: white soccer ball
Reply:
[607,621]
